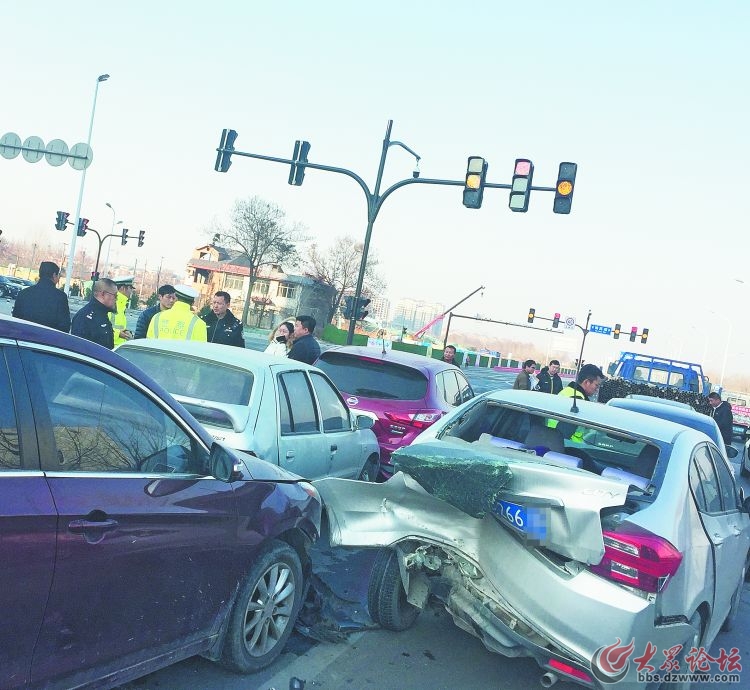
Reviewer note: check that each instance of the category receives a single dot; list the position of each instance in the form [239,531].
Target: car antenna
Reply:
[382,339]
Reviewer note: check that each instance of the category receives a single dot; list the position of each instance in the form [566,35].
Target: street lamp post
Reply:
[71,256]
[111,232]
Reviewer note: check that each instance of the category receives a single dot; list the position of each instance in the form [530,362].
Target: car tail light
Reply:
[636,557]
[419,419]
[569,670]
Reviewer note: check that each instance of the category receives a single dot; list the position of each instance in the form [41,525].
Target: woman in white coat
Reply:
[280,340]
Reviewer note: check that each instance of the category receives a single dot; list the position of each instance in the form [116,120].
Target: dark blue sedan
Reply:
[128,539]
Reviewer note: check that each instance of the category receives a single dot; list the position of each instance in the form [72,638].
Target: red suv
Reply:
[405,393]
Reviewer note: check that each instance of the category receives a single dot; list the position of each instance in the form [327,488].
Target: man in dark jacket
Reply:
[92,321]
[523,380]
[549,379]
[722,414]
[304,346]
[44,303]
[166,297]
[223,327]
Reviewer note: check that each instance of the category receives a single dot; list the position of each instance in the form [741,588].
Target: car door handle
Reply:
[80,526]
[290,454]
[334,448]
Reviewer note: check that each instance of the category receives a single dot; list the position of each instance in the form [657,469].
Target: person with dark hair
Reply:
[305,348]
[43,303]
[179,322]
[449,355]
[586,384]
[549,379]
[523,380]
[721,411]
[166,297]
[280,340]
[224,327]
[92,321]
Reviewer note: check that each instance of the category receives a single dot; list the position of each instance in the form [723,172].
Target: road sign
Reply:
[570,322]
[86,155]
[33,149]
[57,152]
[604,330]
[10,145]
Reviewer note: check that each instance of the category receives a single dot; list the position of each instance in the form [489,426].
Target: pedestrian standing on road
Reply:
[722,414]
[449,355]
[280,340]
[523,380]
[224,327]
[179,322]
[44,303]
[304,348]
[165,299]
[92,320]
[549,380]
[119,319]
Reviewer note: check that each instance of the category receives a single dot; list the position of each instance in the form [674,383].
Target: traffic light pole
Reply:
[374,198]
[101,242]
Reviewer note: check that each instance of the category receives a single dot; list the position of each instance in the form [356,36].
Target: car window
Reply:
[335,414]
[465,390]
[296,405]
[100,423]
[372,377]
[726,482]
[440,384]
[10,449]
[192,376]
[452,395]
[704,482]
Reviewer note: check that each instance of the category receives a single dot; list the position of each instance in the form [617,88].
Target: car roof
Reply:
[654,428]
[224,354]
[686,416]
[26,331]
[410,359]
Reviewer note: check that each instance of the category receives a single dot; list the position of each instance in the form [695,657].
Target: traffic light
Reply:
[361,306]
[633,333]
[124,239]
[348,307]
[556,321]
[94,276]
[226,148]
[531,315]
[62,220]
[520,189]
[566,179]
[83,225]
[644,335]
[141,238]
[297,173]
[476,171]
[616,333]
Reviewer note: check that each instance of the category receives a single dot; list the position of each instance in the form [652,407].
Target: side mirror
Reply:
[732,452]
[221,463]
[365,422]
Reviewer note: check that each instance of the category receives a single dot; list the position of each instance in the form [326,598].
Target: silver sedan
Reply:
[285,412]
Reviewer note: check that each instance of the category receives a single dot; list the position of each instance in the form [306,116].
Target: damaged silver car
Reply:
[599,541]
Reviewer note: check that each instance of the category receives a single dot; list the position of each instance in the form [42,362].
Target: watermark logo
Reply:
[610,664]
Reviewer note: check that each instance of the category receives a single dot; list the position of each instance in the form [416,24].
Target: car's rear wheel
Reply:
[744,469]
[386,597]
[734,608]
[693,642]
[265,610]
[371,470]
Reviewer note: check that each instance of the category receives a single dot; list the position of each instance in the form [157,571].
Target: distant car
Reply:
[403,392]
[585,537]
[9,287]
[130,539]
[740,431]
[285,412]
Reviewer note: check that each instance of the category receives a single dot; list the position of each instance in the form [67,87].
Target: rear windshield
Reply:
[373,378]
[194,378]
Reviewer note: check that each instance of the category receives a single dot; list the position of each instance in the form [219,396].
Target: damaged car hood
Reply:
[451,488]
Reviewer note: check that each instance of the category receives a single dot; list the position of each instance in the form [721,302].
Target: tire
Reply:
[261,620]
[386,597]
[696,620]
[744,471]
[371,470]
[734,608]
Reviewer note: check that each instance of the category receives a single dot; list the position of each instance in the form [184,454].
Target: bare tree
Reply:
[260,232]
[338,267]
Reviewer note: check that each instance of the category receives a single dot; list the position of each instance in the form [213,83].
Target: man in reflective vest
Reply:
[118,318]
[179,322]
[586,384]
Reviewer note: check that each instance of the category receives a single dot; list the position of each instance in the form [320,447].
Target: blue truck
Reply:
[661,372]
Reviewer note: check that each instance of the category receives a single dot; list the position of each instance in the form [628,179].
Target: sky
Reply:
[649,99]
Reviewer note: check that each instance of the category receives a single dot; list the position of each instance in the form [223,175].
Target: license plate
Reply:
[512,514]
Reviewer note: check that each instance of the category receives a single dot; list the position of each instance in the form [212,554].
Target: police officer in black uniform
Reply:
[92,321]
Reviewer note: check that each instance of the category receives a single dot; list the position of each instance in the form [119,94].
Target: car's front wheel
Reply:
[386,597]
[265,610]
[371,470]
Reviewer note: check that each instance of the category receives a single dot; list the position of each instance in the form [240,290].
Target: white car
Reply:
[283,411]
[588,537]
